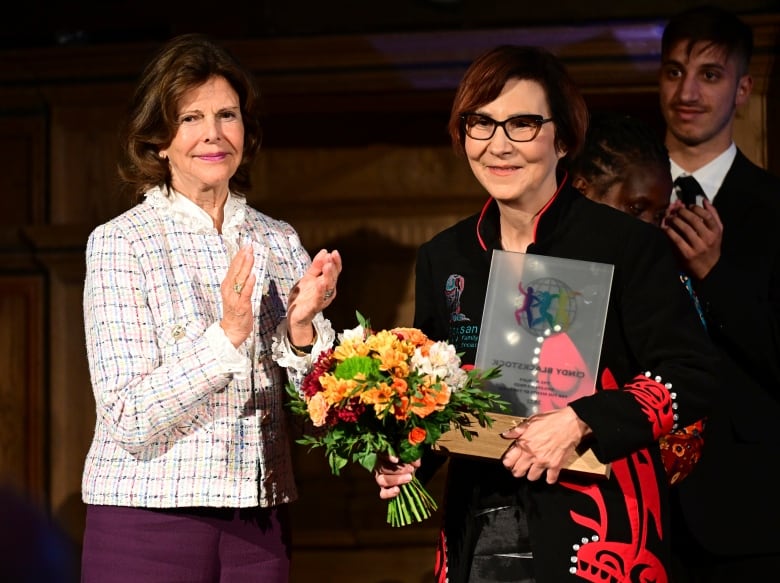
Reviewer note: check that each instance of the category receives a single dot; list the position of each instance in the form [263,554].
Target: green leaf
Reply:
[408,453]
[364,322]
[336,463]
[367,459]
[355,365]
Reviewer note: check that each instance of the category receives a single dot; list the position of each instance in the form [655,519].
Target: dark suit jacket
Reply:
[730,501]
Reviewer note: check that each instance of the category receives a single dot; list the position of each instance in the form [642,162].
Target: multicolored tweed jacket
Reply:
[183,418]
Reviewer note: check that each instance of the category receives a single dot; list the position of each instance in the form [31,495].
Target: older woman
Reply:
[516,117]
[194,303]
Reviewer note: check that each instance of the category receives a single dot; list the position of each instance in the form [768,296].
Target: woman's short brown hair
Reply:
[485,79]
[185,62]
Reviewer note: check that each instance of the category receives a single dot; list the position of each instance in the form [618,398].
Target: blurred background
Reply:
[48,22]
[355,155]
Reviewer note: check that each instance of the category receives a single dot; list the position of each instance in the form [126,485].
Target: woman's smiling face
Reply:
[516,171]
[209,142]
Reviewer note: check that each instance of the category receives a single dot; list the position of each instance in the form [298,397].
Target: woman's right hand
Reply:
[390,474]
[236,290]
[311,295]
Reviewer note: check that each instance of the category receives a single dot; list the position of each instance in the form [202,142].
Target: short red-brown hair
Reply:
[485,79]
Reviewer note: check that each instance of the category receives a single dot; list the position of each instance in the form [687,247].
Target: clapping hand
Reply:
[312,294]
[697,232]
[236,290]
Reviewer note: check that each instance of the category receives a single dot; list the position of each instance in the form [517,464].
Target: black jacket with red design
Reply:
[586,529]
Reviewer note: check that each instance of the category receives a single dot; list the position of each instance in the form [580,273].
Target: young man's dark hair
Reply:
[714,26]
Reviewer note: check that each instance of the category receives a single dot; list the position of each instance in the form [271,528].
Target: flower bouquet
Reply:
[391,392]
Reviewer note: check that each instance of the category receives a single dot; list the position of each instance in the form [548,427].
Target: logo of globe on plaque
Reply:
[546,306]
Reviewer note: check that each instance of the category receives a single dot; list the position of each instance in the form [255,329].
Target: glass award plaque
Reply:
[543,325]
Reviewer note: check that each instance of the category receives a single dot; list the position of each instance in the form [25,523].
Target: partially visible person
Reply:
[729,243]
[194,303]
[625,164]
[33,548]
[517,117]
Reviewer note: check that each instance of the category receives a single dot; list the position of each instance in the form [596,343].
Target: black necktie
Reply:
[688,189]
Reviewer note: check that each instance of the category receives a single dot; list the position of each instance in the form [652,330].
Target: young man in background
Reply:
[725,223]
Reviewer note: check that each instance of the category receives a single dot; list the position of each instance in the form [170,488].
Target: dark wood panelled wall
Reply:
[355,155]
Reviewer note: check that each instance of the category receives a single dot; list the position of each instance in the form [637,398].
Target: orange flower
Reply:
[413,335]
[417,435]
[350,348]
[400,386]
[318,410]
[381,394]
[394,360]
[379,397]
[401,411]
[425,404]
[443,395]
[336,390]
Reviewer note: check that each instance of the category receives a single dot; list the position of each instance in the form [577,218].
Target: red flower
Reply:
[311,384]
[351,413]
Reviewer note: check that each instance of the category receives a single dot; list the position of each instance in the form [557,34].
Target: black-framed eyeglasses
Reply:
[518,128]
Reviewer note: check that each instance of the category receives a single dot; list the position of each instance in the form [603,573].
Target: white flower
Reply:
[355,334]
[442,363]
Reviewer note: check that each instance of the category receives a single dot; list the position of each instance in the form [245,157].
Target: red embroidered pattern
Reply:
[656,403]
[440,567]
[598,560]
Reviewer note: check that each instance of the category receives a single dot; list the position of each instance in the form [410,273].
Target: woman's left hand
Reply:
[543,444]
[311,295]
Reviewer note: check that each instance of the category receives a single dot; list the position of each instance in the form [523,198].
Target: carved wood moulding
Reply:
[601,55]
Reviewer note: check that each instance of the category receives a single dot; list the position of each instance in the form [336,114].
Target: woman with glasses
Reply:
[517,117]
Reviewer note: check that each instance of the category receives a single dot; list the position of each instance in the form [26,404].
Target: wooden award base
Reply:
[486,442]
